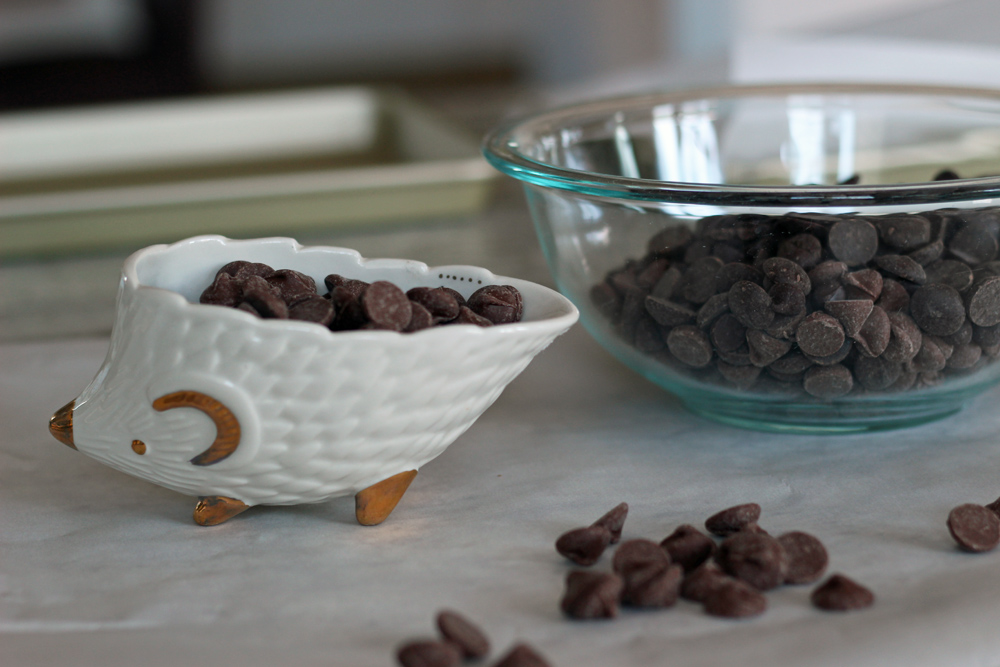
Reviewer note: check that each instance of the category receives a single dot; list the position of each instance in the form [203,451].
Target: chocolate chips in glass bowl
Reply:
[351,304]
[815,304]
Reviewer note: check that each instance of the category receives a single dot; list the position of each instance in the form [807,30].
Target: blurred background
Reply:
[83,83]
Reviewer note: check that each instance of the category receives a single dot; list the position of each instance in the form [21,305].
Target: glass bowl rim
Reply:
[501,152]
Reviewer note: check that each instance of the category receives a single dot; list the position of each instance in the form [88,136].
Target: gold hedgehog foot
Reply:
[373,505]
[213,510]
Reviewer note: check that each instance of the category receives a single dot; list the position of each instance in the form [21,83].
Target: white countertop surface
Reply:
[98,568]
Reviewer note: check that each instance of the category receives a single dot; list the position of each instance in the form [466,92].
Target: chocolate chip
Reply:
[973,243]
[853,241]
[828,381]
[902,267]
[835,358]
[733,519]
[852,314]
[974,527]
[734,599]
[443,306]
[793,363]
[876,373]
[522,655]
[931,357]
[348,311]
[960,337]
[755,558]
[734,272]
[937,309]
[420,318]
[638,553]
[699,280]
[986,336]
[866,284]
[781,270]
[728,333]
[224,291]
[838,593]
[712,310]
[894,296]
[830,271]
[668,313]
[264,298]
[787,299]
[700,582]
[904,232]
[950,272]
[652,585]
[964,356]
[804,249]
[247,270]
[428,653]
[464,634]
[667,285]
[807,557]
[688,547]
[690,345]
[765,349]
[743,377]
[820,334]
[983,302]
[651,275]
[929,253]
[670,241]
[354,286]
[875,333]
[751,305]
[500,304]
[386,306]
[293,285]
[905,338]
[584,546]
[312,309]
[614,521]
[591,595]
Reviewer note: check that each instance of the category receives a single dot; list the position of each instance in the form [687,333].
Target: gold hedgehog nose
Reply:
[61,424]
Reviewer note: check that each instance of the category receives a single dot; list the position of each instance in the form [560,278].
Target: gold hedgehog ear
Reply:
[227,426]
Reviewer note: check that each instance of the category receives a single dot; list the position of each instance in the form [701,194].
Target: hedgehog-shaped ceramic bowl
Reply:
[240,411]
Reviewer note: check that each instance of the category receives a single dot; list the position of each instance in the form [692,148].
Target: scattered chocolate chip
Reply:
[463,633]
[688,547]
[591,595]
[420,318]
[753,557]
[838,593]
[807,557]
[974,527]
[293,285]
[584,546]
[638,553]
[652,585]
[224,291]
[734,599]
[614,521]
[733,519]
[522,655]
[265,299]
[467,316]
[702,581]
[429,653]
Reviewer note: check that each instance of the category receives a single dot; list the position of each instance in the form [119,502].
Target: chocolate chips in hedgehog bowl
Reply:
[351,304]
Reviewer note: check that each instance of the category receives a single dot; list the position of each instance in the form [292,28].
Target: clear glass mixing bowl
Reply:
[803,258]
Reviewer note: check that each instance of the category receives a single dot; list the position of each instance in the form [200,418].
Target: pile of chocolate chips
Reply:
[354,304]
[728,578]
[462,640]
[813,303]
[976,528]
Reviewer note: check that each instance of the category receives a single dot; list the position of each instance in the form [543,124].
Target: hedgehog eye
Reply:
[139,447]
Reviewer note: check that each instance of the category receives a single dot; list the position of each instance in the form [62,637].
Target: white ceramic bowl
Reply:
[294,413]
